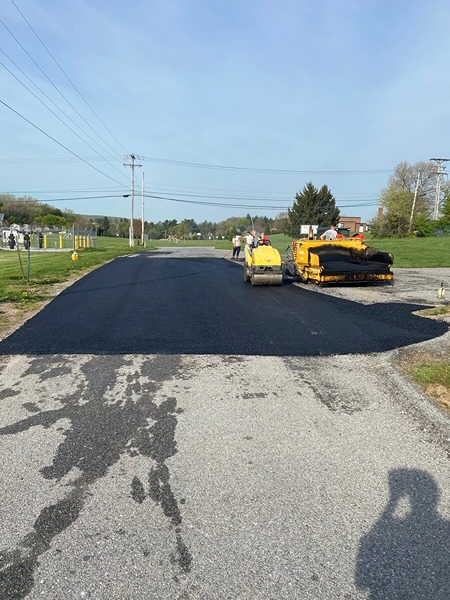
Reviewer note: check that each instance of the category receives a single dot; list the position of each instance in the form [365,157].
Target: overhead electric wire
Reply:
[229,205]
[180,200]
[249,169]
[59,143]
[69,199]
[260,170]
[68,78]
[111,189]
[56,88]
[266,192]
[233,197]
[58,117]
[54,104]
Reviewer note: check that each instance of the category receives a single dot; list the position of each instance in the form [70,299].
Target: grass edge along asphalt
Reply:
[50,270]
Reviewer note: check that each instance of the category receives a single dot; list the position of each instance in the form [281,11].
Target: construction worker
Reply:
[249,242]
[329,234]
[236,241]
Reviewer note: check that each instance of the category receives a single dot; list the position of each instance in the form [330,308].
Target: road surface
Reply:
[160,446]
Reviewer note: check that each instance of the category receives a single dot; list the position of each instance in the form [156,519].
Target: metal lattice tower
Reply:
[440,172]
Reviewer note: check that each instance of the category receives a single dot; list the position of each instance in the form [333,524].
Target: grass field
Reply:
[53,267]
[50,267]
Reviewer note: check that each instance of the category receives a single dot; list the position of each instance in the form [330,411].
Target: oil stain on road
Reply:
[101,431]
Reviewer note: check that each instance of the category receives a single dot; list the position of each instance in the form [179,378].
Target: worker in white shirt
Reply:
[329,234]
[236,241]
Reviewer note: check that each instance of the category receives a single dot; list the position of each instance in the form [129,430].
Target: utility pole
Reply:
[437,197]
[132,165]
[142,228]
[414,201]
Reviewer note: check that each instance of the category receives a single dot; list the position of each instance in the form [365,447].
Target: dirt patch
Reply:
[441,395]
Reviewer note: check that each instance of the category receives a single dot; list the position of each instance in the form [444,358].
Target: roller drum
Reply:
[267,278]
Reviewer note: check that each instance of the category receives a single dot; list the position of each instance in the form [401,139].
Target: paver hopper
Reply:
[338,261]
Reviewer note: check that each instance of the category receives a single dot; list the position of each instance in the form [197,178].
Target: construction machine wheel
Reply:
[267,278]
[247,272]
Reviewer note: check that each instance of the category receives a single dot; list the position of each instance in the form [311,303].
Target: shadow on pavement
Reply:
[407,552]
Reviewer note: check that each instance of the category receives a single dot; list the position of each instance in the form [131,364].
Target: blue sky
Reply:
[330,85]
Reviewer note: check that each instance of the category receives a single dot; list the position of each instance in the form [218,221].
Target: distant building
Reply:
[354,224]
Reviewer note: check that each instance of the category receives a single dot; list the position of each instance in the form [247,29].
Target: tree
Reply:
[398,197]
[105,225]
[397,204]
[405,177]
[312,207]
[54,221]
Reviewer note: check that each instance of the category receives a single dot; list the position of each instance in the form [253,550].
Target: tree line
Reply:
[406,203]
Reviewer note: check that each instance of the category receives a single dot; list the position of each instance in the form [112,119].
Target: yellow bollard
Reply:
[60,241]
[74,255]
[45,241]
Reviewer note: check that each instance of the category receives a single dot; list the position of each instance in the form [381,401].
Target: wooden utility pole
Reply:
[143,210]
[414,201]
[132,165]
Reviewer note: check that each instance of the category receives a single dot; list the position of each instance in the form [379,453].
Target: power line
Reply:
[224,197]
[260,170]
[229,205]
[56,88]
[183,201]
[34,200]
[57,116]
[59,143]
[68,78]
[54,103]
[246,169]
[111,189]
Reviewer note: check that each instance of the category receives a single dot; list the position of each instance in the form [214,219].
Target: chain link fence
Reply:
[75,239]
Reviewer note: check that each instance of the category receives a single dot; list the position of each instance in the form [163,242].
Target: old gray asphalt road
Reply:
[220,476]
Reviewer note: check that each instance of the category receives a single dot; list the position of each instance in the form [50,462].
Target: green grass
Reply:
[219,244]
[51,267]
[416,252]
[432,374]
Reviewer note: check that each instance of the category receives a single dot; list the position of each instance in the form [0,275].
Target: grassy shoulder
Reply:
[429,252]
[434,376]
[49,268]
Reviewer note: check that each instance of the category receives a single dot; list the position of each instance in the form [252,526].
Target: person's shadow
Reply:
[407,552]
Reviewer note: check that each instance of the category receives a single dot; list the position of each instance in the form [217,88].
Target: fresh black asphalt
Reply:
[148,305]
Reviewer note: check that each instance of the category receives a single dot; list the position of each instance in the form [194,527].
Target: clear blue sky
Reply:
[330,85]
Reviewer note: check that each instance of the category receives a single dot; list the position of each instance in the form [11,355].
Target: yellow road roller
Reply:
[263,264]
[348,260]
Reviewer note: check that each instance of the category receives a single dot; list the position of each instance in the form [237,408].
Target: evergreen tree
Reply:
[328,212]
[312,207]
